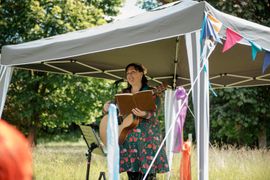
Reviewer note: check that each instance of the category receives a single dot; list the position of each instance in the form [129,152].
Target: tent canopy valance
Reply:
[154,38]
[167,41]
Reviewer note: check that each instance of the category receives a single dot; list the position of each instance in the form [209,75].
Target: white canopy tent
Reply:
[167,41]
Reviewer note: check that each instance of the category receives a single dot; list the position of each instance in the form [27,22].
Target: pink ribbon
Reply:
[180,95]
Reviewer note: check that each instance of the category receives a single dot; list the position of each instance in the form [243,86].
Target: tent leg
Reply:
[176,62]
[200,96]
[6,73]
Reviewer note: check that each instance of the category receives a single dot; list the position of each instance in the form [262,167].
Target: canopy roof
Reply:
[149,38]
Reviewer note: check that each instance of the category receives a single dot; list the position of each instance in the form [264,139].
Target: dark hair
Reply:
[140,68]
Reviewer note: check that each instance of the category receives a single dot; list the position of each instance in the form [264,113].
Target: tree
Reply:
[110,8]
[45,101]
[251,118]
[26,20]
[148,4]
[238,115]
[54,101]
[252,10]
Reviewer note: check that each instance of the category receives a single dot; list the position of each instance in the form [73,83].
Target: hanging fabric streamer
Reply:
[180,95]
[170,115]
[112,144]
[185,167]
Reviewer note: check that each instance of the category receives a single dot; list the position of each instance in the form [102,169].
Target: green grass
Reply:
[242,164]
[67,160]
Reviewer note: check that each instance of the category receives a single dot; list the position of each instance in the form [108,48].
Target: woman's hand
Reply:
[138,112]
[106,107]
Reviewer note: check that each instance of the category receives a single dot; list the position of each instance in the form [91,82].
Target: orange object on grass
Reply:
[185,167]
[15,154]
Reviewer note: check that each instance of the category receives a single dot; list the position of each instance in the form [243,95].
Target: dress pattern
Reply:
[141,145]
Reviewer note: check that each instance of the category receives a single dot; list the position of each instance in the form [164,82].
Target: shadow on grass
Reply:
[73,136]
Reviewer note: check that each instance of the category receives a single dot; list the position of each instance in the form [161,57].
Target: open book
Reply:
[142,100]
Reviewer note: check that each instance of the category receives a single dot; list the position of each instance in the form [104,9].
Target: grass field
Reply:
[53,161]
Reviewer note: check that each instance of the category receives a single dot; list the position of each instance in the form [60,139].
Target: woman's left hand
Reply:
[138,112]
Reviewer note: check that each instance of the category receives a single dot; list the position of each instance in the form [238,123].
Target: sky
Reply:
[129,9]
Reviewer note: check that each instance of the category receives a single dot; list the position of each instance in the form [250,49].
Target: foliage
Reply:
[33,19]
[252,10]
[238,115]
[54,102]
[109,7]
[148,4]
[44,101]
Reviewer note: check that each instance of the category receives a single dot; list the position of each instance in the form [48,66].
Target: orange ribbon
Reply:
[185,167]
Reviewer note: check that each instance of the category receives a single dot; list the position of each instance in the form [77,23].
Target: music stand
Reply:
[92,141]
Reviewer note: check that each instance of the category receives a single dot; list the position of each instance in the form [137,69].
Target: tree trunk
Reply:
[262,135]
[33,136]
[35,119]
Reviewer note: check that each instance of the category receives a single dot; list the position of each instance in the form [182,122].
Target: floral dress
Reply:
[141,145]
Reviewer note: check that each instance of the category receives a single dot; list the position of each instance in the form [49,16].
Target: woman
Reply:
[142,142]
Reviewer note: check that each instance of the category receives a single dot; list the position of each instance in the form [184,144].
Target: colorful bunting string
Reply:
[210,29]
[255,48]
[266,61]
[216,24]
[202,36]
[231,39]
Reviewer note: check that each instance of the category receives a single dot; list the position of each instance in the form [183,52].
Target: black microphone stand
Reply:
[89,154]
[115,88]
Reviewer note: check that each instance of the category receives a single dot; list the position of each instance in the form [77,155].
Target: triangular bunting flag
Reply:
[215,23]
[255,49]
[202,35]
[210,28]
[266,61]
[231,39]
[212,33]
